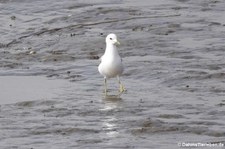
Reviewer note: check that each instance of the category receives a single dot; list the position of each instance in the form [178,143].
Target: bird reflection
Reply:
[110,126]
[110,123]
[111,102]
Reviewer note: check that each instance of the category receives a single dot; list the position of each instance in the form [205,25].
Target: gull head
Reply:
[112,39]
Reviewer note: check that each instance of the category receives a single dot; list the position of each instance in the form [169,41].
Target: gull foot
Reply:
[106,92]
[122,89]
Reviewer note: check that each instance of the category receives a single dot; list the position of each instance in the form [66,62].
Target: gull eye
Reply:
[110,38]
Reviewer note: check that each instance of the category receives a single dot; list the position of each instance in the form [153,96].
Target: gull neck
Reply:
[111,49]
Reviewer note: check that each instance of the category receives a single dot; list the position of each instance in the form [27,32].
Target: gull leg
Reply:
[105,85]
[122,89]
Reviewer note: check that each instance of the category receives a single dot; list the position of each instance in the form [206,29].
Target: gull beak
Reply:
[117,42]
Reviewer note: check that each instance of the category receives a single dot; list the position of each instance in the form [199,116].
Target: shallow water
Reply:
[27,88]
[173,52]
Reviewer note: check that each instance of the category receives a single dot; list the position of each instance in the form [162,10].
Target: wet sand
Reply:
[173,52]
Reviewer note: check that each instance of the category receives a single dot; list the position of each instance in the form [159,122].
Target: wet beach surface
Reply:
[173,52]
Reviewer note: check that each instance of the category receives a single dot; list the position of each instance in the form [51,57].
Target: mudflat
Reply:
[52,94]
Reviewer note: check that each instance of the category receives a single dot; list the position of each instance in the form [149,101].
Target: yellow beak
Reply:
[117,42]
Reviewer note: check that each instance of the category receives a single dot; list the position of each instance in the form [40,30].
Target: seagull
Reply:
[111,63]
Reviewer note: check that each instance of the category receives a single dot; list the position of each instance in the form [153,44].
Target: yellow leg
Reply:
[122,89]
